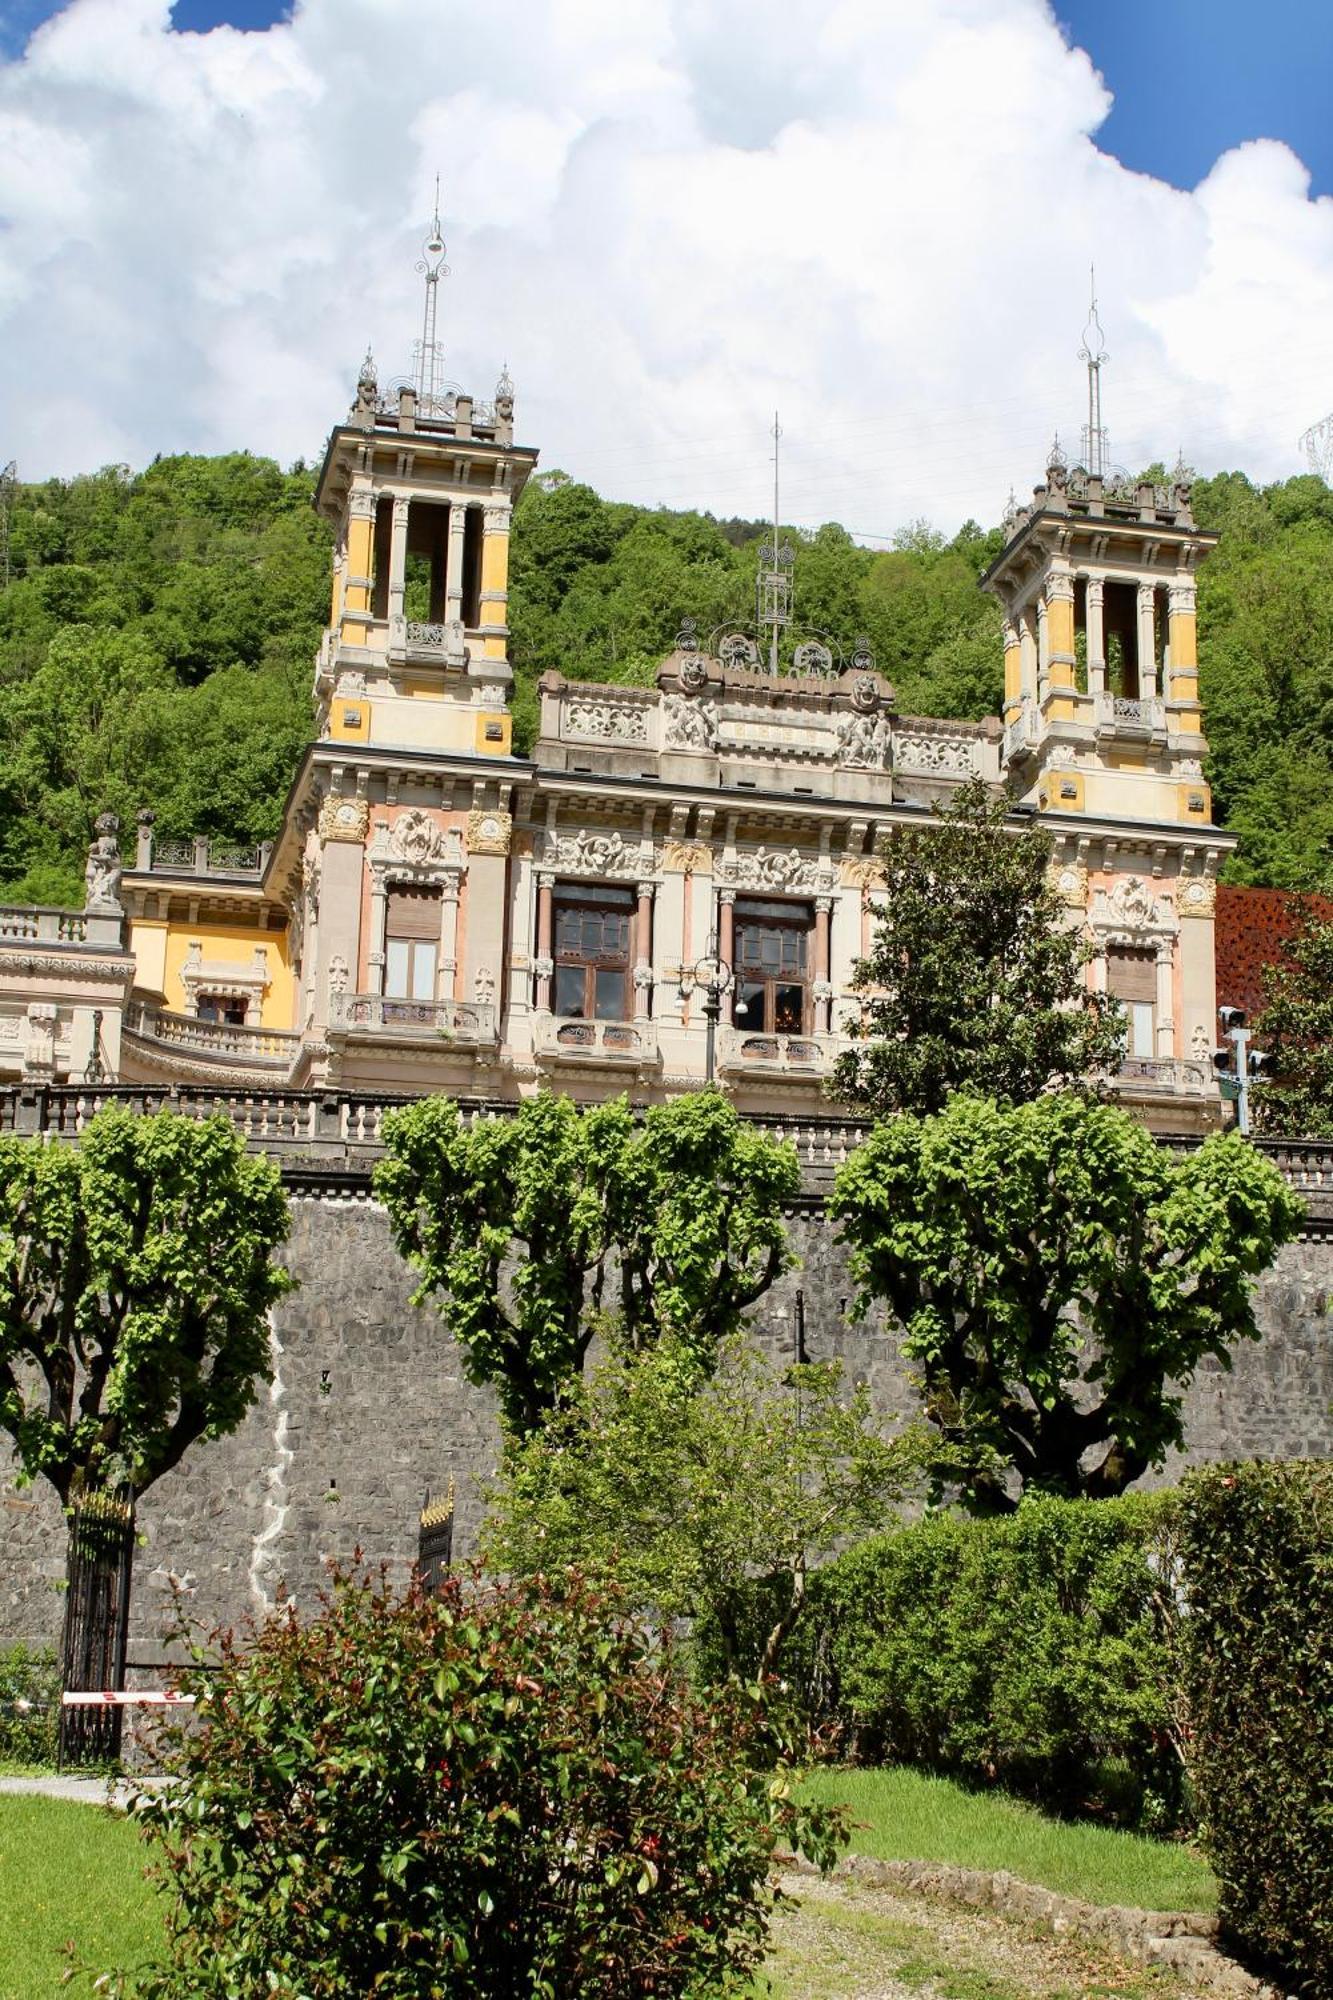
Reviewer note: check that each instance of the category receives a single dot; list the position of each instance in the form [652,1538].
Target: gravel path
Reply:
[843,1941]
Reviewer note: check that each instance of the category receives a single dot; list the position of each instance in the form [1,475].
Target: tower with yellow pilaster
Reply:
[419,485]
[1101,676]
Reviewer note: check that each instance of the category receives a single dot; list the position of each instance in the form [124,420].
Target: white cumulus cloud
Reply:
[670,217]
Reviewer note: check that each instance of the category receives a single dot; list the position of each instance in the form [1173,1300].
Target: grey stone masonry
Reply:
[370,1408]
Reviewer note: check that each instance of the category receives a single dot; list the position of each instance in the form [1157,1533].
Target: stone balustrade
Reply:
[470,1021]
[24,924]
[224,1040]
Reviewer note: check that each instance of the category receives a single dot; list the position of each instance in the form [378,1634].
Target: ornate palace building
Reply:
[438,913]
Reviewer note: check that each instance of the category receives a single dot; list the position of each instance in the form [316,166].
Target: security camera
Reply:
[1222,1061]
[1231,1017]
[1261,1062]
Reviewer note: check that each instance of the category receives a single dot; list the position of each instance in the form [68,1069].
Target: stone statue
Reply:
[690,725]
[863,742]
[102,874]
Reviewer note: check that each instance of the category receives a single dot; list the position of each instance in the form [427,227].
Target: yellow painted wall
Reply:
[160,950]
[1060,640]
[1013,675]
[349,721]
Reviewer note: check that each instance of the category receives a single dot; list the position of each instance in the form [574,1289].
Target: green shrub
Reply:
[1031,1651]
[503,1791]
[29,1705]
[1257,1669]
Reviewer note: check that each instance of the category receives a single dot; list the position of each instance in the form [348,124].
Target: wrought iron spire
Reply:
[429,369]
[773,591]
[1093,353]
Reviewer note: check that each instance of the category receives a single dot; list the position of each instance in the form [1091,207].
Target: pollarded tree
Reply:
[136,1278]
[530,1229]
[1058,1278]
[1296,1027]
[975,981]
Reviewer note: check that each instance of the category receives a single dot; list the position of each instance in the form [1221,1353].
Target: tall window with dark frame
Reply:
[1131,981]
[592,939]
[411,943]
[773,952]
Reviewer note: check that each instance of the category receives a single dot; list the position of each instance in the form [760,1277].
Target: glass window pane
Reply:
[749,1009]
[395,967]
[772,953]
[1141,1028]
[788,1010]
[423,971]
[569,991]
[610,996]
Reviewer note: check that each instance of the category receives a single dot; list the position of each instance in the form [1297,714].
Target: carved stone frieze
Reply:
[344,819]
[864,742]
[687,857]
[609,721]
[688,725]
[489,832]
[765,868]
[592,853]
[416,838]
[1197,896]
[1069,881]
[861,872]
[938,756]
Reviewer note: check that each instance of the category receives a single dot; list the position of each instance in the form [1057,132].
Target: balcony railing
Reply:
[1169,1074]
[1124,715]
[224,1041]
[22,924]
[631,1044]
[469,1021]
[1021,734]
[740,1051]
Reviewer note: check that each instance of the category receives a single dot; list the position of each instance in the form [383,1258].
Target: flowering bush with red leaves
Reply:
[501,1791]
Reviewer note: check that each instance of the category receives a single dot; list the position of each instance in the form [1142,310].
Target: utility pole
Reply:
[1238,1066]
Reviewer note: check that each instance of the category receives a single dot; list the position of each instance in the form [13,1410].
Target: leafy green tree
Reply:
[689,1491]
[504,1792]
[1058,1278]
[1296,1027]
[529,1228]
[136,1279]
[975,980]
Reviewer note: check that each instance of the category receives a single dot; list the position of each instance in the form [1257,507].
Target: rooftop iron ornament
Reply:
[773,586]
[1096,446]
[431,264]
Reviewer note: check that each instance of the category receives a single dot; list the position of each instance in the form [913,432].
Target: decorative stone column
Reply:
[1013,670]
[453,573]
[643,951]
[1027,641]
[448,966]
[1058,598]
[1184,687]
[1043,649]
[398,557]
[361,507]
[493,612]
[1166,1027]
[379,914]
[544,963]
[1147,593]
[1096,635]
[726,945]
[823,988]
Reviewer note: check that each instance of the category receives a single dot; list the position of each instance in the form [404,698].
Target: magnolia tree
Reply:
[702,1497]
[529,1230]
[1058,1278]
[974,980]
[136,1278]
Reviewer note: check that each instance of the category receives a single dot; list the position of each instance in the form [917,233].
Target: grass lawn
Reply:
[906,1817]
[69,1871]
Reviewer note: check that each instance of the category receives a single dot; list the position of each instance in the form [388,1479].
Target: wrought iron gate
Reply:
[435,1540]
[101,1554]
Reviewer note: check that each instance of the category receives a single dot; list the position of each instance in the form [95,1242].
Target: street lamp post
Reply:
[714,976]
[1238,1066]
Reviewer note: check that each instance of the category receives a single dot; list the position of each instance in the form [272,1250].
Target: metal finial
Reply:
[1055,456]
[431,265]
[1093,354]
[366,378]
[504,388]
[776,560]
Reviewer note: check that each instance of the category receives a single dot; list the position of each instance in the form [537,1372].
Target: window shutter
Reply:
[1131,975]
[413,913]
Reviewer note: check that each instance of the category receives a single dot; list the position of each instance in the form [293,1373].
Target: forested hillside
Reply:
[158,631]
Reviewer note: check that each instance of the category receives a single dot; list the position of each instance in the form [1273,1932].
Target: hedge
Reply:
[29,1705]
[1031,1651]
[1257,1672]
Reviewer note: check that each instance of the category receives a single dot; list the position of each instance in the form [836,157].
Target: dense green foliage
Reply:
[1296,1028]
[689,1490]
[158,633]
[1058,1277]
[1033,1652]
[1257,1548]
[507,1792]
[530,1229]
[974,979]
[29,1705]
[136,1278]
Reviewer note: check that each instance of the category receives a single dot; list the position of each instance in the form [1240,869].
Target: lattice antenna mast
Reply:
[1096,447]
[429,368]
[1317,444]
[776,561]
[9,479]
